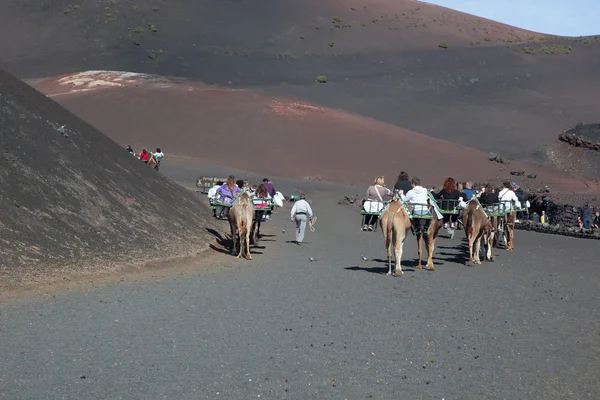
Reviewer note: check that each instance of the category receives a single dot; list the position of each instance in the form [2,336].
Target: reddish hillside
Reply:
[273,134]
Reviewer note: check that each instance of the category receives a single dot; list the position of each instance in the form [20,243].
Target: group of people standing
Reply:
[451,194]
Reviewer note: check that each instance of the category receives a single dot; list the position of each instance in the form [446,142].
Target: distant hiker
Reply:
[130,149]
[226,193]
[586,216]
[403,183]
[145,156]
[543,218]
[301,213]
[373,202]
[596,223]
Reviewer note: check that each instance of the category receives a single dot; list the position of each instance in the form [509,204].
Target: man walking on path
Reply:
[301,213]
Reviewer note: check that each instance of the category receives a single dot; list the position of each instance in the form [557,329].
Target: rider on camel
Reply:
[226,193]
[449,192]
[417,197]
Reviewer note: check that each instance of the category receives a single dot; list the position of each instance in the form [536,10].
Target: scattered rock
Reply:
[349,200]
[496,157]
[532,176]
[517,173]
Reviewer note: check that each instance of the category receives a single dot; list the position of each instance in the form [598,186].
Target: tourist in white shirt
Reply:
[301,213]
[417,195]
[506,198]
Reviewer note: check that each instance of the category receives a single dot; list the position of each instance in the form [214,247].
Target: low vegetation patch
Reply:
[488,39]
[330,44]
[138,30]
[152,28]
[549,49]
[322,79]
[443,45]
[69,10]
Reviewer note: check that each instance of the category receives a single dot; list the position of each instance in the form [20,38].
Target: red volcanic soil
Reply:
[275,135]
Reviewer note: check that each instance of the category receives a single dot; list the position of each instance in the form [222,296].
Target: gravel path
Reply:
[282,327]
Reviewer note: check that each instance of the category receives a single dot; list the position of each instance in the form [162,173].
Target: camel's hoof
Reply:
[419,267]
[388,273]
[430,268]
[399,275]
[238,256]
[248,257]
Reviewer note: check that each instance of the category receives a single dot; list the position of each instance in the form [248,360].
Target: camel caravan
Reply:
[245,206]
[488,216]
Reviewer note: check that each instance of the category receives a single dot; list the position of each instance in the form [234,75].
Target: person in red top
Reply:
[145,156]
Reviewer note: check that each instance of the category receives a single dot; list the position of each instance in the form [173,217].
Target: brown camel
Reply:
[240,218]
[395,224]
[429,239]
[509,222]
[477,227]
[505,229]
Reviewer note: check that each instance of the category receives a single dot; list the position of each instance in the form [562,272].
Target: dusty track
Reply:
[283,327]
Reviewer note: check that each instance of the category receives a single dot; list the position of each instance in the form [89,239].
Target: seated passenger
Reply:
[417,197]
[226,193]
[468,191]
[449,192]
[403,183]
[489,198]
[506,197]
[260,202]
[376,194]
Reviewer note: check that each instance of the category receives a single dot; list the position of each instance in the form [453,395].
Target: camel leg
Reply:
[430,246]
[510,236]
[470,240]
[241,242]
[420,250]
[398,245]
[477,249]
[388,248]
[248,255]
[487,245]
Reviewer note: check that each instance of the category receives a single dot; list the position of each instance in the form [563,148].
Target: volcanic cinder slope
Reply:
[489,86]
[275,135]
[73,201]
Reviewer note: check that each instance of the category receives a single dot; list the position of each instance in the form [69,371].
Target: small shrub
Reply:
[70,10]
[138,30]
[443,45]
[488,39]
[152,28]
[336,20]
[374,20]
[322,79]
[331,44]
[302,37]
